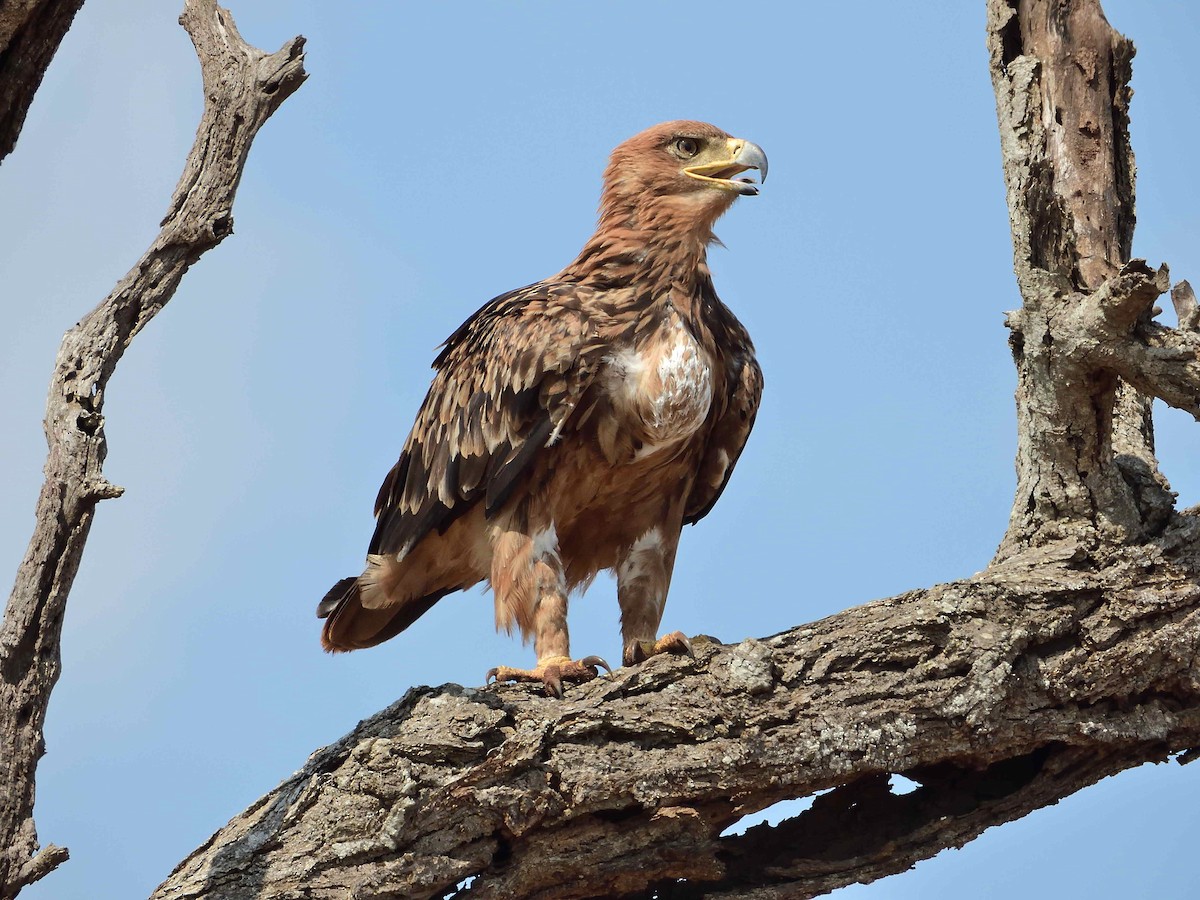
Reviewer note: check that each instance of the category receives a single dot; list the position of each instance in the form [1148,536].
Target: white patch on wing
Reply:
[568,408]
[651,540]
[723,462]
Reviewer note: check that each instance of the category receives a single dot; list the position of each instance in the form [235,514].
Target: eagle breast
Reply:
[661,386]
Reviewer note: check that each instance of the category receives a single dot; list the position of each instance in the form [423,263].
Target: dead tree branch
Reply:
[1085,457]
[999,695]
[242,88]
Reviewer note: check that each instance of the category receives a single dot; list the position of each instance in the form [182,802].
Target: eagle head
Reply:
[678,176]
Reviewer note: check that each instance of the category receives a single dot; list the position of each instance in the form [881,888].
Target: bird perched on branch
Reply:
[575,424]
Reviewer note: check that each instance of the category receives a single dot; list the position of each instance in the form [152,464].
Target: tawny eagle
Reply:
[575,424]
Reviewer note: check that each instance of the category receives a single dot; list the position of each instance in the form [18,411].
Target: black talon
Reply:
[553,685]
[592,662]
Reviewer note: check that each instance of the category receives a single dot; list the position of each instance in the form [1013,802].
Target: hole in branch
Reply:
[332,763]
[865,819]
[460,889]
[772,815]
[1010,40]
[503,853]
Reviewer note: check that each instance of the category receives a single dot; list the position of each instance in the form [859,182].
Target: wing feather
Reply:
[728,436]
[507,383]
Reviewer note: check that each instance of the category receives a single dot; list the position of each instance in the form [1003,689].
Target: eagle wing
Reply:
[507,383]
[744,386]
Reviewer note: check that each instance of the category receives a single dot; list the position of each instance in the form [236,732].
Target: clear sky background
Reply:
[443,153]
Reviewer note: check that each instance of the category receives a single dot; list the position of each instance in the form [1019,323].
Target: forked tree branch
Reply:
[242,88]
[1085,443]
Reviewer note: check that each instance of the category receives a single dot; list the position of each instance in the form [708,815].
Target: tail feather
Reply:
[394,591]
[336,595]
[351,626]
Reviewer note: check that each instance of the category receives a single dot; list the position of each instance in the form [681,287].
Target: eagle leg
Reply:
[530,587]
[552,672]
[643,577]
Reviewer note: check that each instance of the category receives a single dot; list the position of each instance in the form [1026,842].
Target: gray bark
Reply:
[1075,655]
[1083,337]
[999,695]
[242,88]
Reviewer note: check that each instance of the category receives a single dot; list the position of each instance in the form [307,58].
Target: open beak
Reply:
[742,155]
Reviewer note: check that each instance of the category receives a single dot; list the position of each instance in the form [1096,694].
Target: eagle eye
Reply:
[687,147]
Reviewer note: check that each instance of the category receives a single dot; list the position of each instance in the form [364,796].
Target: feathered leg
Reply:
[643,578]
[530,589]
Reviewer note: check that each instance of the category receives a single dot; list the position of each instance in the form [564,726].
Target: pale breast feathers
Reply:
[660,386]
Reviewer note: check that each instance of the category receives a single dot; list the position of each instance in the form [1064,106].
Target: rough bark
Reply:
[30,32]
[1085,458]
[1075,655]
[999,695]
[242,88]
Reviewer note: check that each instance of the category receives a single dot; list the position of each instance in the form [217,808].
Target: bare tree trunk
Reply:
[1073,657]
[30,32]
[1085,458]
[242,88]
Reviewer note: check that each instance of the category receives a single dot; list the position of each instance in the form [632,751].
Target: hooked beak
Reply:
[742,155]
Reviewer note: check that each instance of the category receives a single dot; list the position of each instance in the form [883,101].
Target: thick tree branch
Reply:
[30,32]
[999,695]
[1061,75]
[242,87]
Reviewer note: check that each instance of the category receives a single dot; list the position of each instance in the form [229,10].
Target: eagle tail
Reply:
[336,594]
[351,626]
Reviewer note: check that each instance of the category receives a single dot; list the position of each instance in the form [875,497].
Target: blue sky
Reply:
[441,154]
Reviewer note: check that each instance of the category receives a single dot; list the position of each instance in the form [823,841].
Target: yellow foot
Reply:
[552,672]
[675,642]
